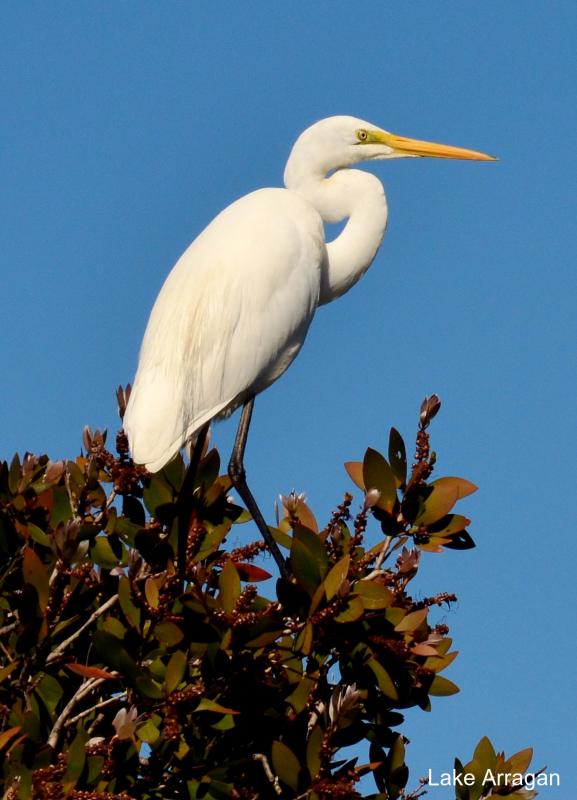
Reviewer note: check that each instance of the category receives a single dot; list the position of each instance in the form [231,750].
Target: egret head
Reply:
[337,142]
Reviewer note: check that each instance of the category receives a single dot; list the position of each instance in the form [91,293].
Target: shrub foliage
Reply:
[126,675]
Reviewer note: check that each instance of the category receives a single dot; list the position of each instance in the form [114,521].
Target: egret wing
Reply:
[229,320]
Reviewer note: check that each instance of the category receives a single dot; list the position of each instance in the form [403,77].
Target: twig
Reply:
[85,689]
[8,628]
[118,698]
[268,772]
[63,645]
[110,500]
[380,558]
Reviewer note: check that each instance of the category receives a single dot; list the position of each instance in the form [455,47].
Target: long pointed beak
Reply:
[415,147]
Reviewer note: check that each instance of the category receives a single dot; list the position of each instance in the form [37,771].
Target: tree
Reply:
[119,680]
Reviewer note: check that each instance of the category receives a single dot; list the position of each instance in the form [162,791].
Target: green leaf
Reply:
[485,754]
[36,574]
[168,633]
[102,553]
[412,621]
[374,595]
[144,684]
[124,528]
[308,559]
[148,732]
[304,640]
[299,697]
[129,609]
[397,753]
[398,773]
[461,540]
[14,474]
[314,746]
[208,469]
[75,757]
[50,692]
[225,723]
[398,456]
[95,764]
[173,472]
[229,586]
[210,705]
[394,615]
[439,502]
[384,680]
[377,474]
[38,535]
[114,627]
[442,687]
[113,653]
[336,577]
[353,611]
[158,493]
[175,670]
[151,592]
[213,539]
[61,508]
[449,524]
[440,662]
[285,764]
[280,537]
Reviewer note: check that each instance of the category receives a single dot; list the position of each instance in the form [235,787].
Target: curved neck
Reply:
[360,198]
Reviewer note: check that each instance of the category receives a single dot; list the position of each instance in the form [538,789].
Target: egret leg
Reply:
[237,475]
[184,502]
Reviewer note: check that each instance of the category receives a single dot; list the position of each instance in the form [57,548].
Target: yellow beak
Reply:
[415,147]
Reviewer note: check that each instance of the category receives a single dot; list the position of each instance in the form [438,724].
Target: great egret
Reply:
[235,310]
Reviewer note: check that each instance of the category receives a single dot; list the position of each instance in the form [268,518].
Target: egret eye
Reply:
[362,135]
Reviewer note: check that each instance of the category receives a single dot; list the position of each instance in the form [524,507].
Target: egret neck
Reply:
[358,197]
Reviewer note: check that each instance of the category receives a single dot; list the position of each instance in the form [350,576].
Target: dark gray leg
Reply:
[237,475]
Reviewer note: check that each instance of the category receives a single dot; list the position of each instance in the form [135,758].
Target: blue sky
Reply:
[127,126]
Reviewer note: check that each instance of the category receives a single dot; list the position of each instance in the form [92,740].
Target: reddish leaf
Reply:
[249,572]
[463,486]
[305,515]
[355,470]
[91,672]
[5,736]
[423,649]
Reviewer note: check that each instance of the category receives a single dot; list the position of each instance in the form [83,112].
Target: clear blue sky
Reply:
[127,126]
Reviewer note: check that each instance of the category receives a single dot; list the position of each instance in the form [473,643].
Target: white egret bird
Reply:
[235,310]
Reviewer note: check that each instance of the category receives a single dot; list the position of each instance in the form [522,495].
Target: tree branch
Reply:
[84,690]
[63,645]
